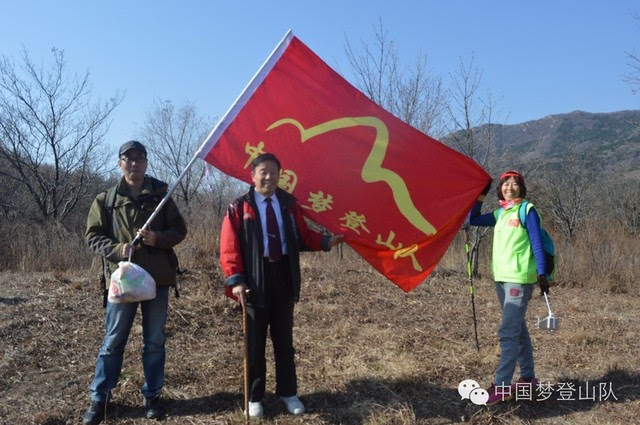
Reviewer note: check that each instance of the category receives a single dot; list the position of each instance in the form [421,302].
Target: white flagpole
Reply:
[164,200]
[226,120]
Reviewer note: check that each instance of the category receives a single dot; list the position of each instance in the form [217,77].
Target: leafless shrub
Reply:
[622,203]
[606,257]
[201,247]
[46,247]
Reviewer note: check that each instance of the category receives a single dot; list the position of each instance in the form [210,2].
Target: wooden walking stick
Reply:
[243,299]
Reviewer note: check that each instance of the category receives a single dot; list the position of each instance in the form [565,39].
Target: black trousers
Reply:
[278,316]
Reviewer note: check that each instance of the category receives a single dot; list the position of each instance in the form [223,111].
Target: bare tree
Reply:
[410,93]
[633,61]
[51,134]
[568,191]
[633,76]
[173,135]
[471,130]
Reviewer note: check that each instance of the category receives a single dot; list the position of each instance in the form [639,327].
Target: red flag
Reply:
[397,195]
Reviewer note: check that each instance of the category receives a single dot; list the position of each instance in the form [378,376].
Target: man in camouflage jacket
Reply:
[110,231]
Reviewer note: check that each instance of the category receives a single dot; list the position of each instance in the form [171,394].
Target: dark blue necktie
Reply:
[273,233]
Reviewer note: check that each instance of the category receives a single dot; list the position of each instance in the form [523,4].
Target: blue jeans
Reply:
[515,342]
[118,325]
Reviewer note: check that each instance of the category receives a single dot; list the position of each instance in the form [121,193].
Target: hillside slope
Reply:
[609,139]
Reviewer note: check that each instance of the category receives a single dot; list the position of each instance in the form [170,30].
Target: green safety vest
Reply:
[513,259]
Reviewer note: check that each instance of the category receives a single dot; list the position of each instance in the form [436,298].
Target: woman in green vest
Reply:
[518,263]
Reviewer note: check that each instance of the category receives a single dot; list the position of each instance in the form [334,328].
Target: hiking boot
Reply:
[154,409]
[294,405]
[255,409]
[95,413]
[499,394]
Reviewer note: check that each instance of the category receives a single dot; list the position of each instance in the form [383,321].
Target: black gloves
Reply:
[487,188]
[544,284]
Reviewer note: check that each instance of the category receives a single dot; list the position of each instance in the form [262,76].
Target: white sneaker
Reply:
[255,409]
[294,405]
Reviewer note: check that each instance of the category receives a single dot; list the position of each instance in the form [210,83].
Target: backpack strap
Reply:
[522,213]
[109,202]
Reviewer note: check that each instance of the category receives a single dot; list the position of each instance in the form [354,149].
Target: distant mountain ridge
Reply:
[612,139]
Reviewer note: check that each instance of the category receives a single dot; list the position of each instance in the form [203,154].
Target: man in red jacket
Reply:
[260,243]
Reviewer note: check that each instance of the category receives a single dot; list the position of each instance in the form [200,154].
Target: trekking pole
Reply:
[243,299]
[471,288]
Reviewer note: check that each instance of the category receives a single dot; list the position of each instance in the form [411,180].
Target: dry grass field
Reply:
[367,353]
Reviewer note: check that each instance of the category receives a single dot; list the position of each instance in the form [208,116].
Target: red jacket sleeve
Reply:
[230,251]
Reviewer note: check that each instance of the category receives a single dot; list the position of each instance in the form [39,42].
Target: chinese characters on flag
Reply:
[397,195]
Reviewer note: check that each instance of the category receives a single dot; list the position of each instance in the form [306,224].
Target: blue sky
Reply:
[538,57]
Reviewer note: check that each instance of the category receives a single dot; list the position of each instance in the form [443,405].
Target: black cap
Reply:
[132,144]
